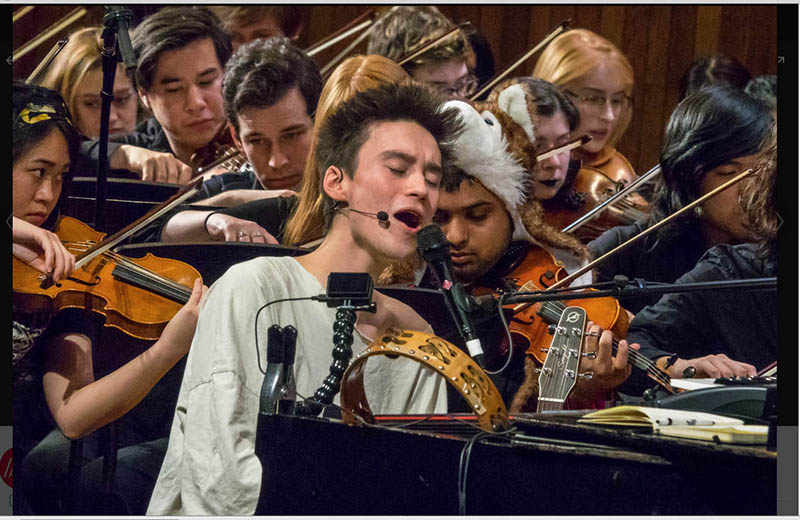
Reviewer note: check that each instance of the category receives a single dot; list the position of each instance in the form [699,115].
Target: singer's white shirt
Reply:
[210,466]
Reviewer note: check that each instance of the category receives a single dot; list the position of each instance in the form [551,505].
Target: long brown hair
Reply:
[354,75]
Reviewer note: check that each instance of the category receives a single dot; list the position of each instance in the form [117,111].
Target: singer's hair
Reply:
[707,129]
[173,28]
[577,52]
[261,72]
[346,130]
[353,75]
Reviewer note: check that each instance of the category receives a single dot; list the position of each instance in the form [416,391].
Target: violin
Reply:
[220,152]
[529,325]
[590,188]
[139,296]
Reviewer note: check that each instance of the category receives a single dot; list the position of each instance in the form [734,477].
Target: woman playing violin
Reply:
[716,327]
[53,355]
[598,78]
[711,135]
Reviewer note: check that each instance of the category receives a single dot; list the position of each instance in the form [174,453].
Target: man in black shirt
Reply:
[180,56]
[271,89]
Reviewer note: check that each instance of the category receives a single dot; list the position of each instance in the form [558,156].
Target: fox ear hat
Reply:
[481,151]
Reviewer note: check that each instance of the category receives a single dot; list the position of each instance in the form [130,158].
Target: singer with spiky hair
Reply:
[381,159]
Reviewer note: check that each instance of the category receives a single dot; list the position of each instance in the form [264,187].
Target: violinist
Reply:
[598,78]
[378,151]
[711,135]
[52,356]
[479,211]
[447,68]
[719,333]
[76,74]
[270,89]
[180,56]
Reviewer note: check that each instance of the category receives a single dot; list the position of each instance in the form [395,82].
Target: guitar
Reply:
[560,369]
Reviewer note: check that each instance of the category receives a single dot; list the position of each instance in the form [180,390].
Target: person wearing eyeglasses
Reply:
[447,68]
[598,79]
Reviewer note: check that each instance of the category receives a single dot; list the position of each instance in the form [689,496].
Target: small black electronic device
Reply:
[353,288]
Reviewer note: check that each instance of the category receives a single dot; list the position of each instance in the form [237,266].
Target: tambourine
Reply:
[453,364]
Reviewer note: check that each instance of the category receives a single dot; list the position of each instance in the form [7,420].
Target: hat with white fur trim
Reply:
[481,151]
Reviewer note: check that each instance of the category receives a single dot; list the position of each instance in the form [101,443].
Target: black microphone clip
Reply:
[382,216]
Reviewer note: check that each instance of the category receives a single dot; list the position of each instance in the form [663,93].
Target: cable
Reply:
[508,335]
[258,357]
[463,465]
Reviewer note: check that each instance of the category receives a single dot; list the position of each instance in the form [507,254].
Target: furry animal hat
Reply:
[481,151]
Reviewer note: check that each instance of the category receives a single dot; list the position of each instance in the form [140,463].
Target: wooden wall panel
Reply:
[659,40]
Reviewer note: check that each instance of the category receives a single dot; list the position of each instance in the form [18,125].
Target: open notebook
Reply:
[681,423]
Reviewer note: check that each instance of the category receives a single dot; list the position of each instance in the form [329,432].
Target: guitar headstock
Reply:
[560,369]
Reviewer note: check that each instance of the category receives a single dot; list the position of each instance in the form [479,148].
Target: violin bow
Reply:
[19,13]
[48,33]
[347,50]
[361,22]
[431,44]
[563,26]
[652,172]
[45,63]
[657,225]
[563,148]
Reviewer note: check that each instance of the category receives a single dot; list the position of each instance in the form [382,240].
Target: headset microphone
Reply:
[382,216]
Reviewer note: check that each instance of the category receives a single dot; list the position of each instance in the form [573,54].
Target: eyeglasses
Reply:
[465,89]
[597,104]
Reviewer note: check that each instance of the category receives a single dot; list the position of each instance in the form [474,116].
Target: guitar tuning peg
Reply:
[587,375]
[551,330]
[537,370]
[544,349]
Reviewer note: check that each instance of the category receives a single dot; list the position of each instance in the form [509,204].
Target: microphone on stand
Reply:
[120,18]
[435,250]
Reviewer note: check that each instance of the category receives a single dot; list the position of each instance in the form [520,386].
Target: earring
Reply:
[697,212]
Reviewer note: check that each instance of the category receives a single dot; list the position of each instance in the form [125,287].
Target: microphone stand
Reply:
[342,353]
[110,57]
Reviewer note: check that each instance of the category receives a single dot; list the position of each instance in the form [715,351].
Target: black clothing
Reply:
[655,258]
[148,134]
[740,324]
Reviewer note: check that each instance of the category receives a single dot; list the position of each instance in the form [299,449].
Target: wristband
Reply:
[205,222]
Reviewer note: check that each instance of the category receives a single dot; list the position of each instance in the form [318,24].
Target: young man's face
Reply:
[549,174]
[398,171]
[450,77]
[478,227]
[186,96]
[276,140]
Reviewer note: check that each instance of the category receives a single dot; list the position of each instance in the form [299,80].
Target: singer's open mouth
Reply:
[412,219]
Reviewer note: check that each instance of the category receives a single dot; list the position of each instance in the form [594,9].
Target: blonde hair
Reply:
[352,76]
[79,56]
[578,52]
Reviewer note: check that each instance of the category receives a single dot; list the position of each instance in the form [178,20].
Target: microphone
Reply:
[382,216]
[435,250]
[119,17]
